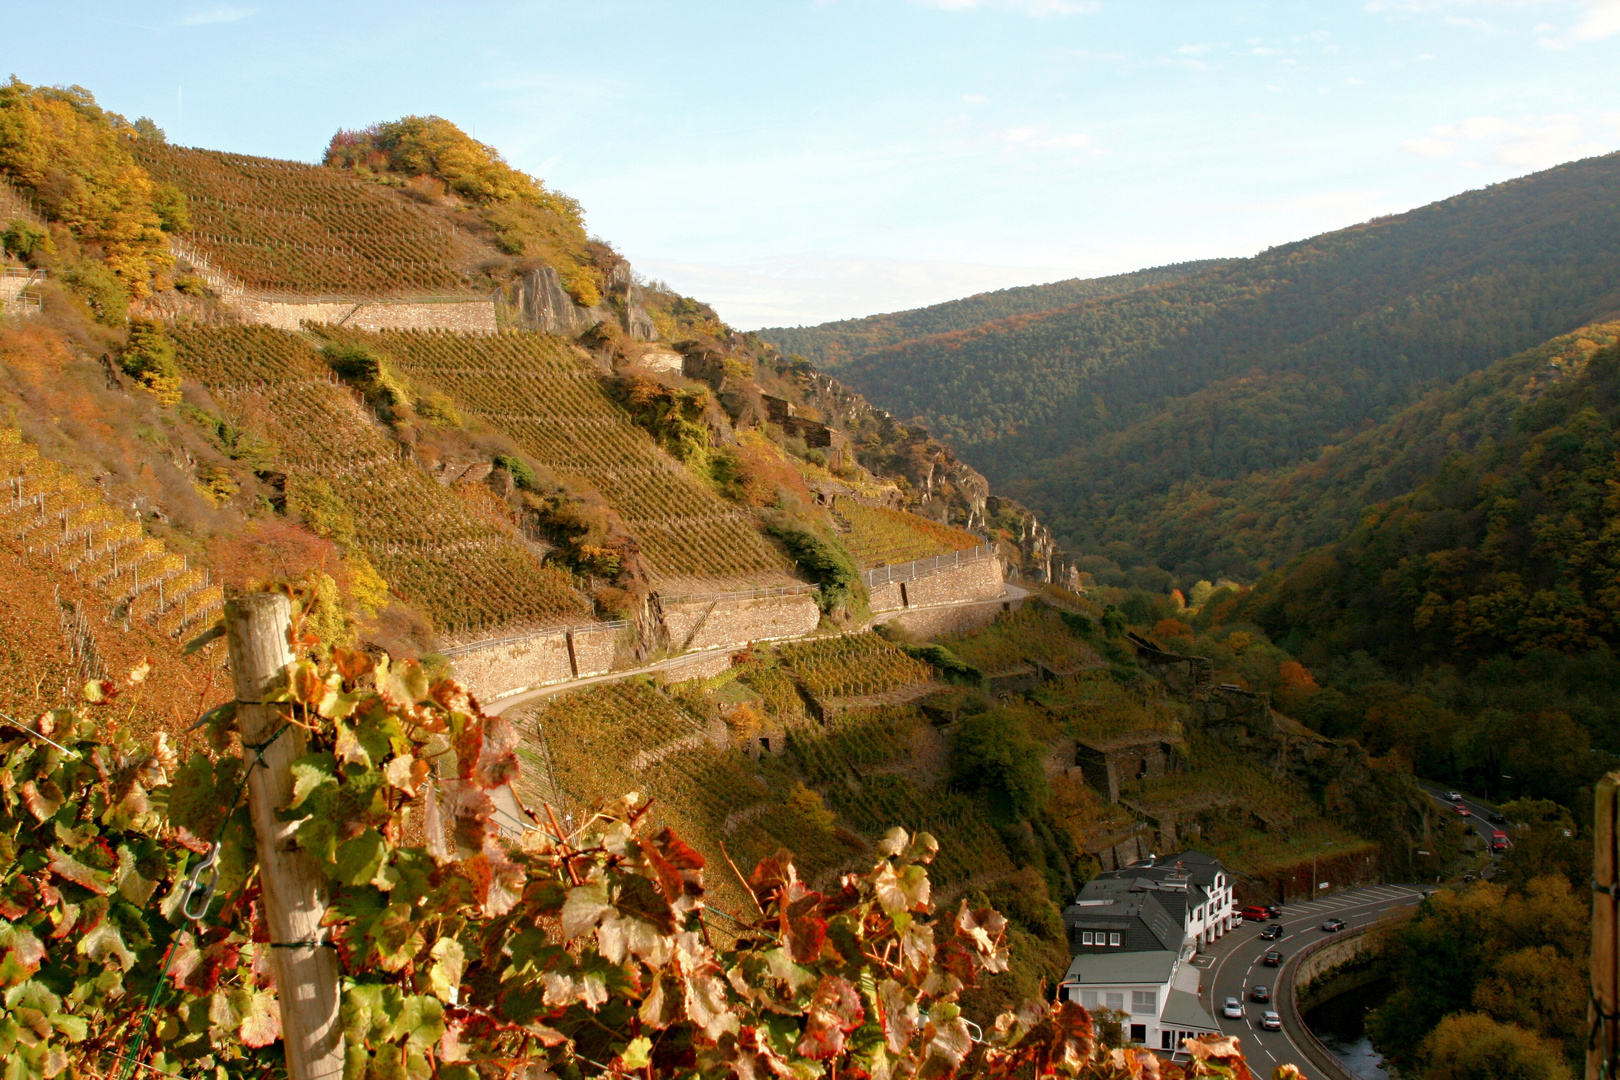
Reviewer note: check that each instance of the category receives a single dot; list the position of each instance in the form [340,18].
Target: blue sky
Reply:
[792,161]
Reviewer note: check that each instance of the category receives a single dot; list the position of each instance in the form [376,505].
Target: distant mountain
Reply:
[1100,414]
[834,343]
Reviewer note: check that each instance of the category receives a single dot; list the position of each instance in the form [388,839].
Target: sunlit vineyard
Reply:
[1093,705]
[288,228]
[878,536]
[467,573]
[49,511]
[543,395]
[852,665]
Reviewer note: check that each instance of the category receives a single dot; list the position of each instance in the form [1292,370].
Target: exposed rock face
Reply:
[540,302]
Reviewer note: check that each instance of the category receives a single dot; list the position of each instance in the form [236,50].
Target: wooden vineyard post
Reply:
[1603,1047]
[306,971]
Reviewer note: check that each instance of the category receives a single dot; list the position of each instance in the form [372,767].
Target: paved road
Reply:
[1232,966]
[1479,812]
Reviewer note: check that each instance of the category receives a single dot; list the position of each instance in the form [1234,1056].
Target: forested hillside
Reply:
[1098,413]
[832,345]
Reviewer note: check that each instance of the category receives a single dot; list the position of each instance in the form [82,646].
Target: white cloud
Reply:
[217,15]
[1039,8]
[1536,142]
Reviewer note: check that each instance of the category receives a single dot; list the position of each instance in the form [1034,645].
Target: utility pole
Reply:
[306,969]
[1603,1014]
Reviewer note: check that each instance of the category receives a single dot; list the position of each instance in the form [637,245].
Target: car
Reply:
[1333,926]
[1495,818]
[1463,811]
[1273,911]
[1454,796]
[1271,1021]
[1233,1009]
[1257,914]
[1273,958]
[1261,994]
[1499,840]
[1272,933]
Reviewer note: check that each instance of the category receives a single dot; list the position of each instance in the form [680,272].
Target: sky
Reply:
[795,161]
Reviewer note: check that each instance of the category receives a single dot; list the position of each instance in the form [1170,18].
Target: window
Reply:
[1115,1001]
[1085,938]
[1088,998]
[1167,1040]
[1145,1002]
[1113,939]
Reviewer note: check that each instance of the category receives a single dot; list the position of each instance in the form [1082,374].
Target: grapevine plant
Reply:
[466,951]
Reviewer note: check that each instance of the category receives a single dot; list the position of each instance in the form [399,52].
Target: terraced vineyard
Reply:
[1033,632]
[632,736]
[288,228]
[1093,705]
[539,392]
[1219,776]
[466,573]
[852,665]
[879,536]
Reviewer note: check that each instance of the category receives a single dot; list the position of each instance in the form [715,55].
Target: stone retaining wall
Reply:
[888,597]
[462,316]
[948,619]
[702,666]
[593,650]
[541,659]
[536,660]
[979,580]
[734,623]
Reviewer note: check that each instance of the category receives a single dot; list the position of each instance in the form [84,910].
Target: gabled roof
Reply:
[1152,967]
[1119,906]
[1184,1010]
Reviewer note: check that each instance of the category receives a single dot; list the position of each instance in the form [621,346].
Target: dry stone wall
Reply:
[461,316]
[980,580]
[949,619]
[700,624]
[543,659]
[890,596]
[593,650]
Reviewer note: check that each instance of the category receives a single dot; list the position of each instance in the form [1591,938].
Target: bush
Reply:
[101,289]
[993,753]
[522,472]
[23,240]
[827,563]
[148,355]
[949,664]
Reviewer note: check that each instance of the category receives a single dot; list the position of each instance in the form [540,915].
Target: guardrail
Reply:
[495,643]
[921,568]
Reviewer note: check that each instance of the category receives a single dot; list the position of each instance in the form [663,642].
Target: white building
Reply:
[1132,935]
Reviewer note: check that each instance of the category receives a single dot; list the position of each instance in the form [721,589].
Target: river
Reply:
[1340,1023]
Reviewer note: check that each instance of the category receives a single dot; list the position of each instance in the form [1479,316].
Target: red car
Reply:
[1463,811]
[1257,914]
[1499,840]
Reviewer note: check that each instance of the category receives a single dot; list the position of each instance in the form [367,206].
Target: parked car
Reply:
[1272,959]
[1272,932]
[1333,926]
[1258,914]
[1454,796]
[1233,1009]
[1261,994]
[1271,1021]
[1274,911]
[1463,811]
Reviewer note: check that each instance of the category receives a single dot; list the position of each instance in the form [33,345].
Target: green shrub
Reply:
[148,355]
[826,562]
[522,472]
[102,290]
[949,664]
[993,753]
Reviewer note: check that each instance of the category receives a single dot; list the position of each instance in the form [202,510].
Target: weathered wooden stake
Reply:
[1603,1051]
[294,887]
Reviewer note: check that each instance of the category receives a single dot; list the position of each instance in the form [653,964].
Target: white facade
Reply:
[1156,991]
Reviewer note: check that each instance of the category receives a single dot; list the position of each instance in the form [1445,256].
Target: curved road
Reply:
[1232,965]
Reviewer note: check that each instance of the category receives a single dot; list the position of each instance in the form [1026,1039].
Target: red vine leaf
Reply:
[834,1011]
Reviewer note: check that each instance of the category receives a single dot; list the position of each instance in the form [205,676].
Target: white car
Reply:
[1454,796]
[1233,1009]
[1271,1021]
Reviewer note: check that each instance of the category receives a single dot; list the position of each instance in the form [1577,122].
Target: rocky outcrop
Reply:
[536,300]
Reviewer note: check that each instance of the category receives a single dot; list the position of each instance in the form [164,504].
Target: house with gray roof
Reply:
[1132,935]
